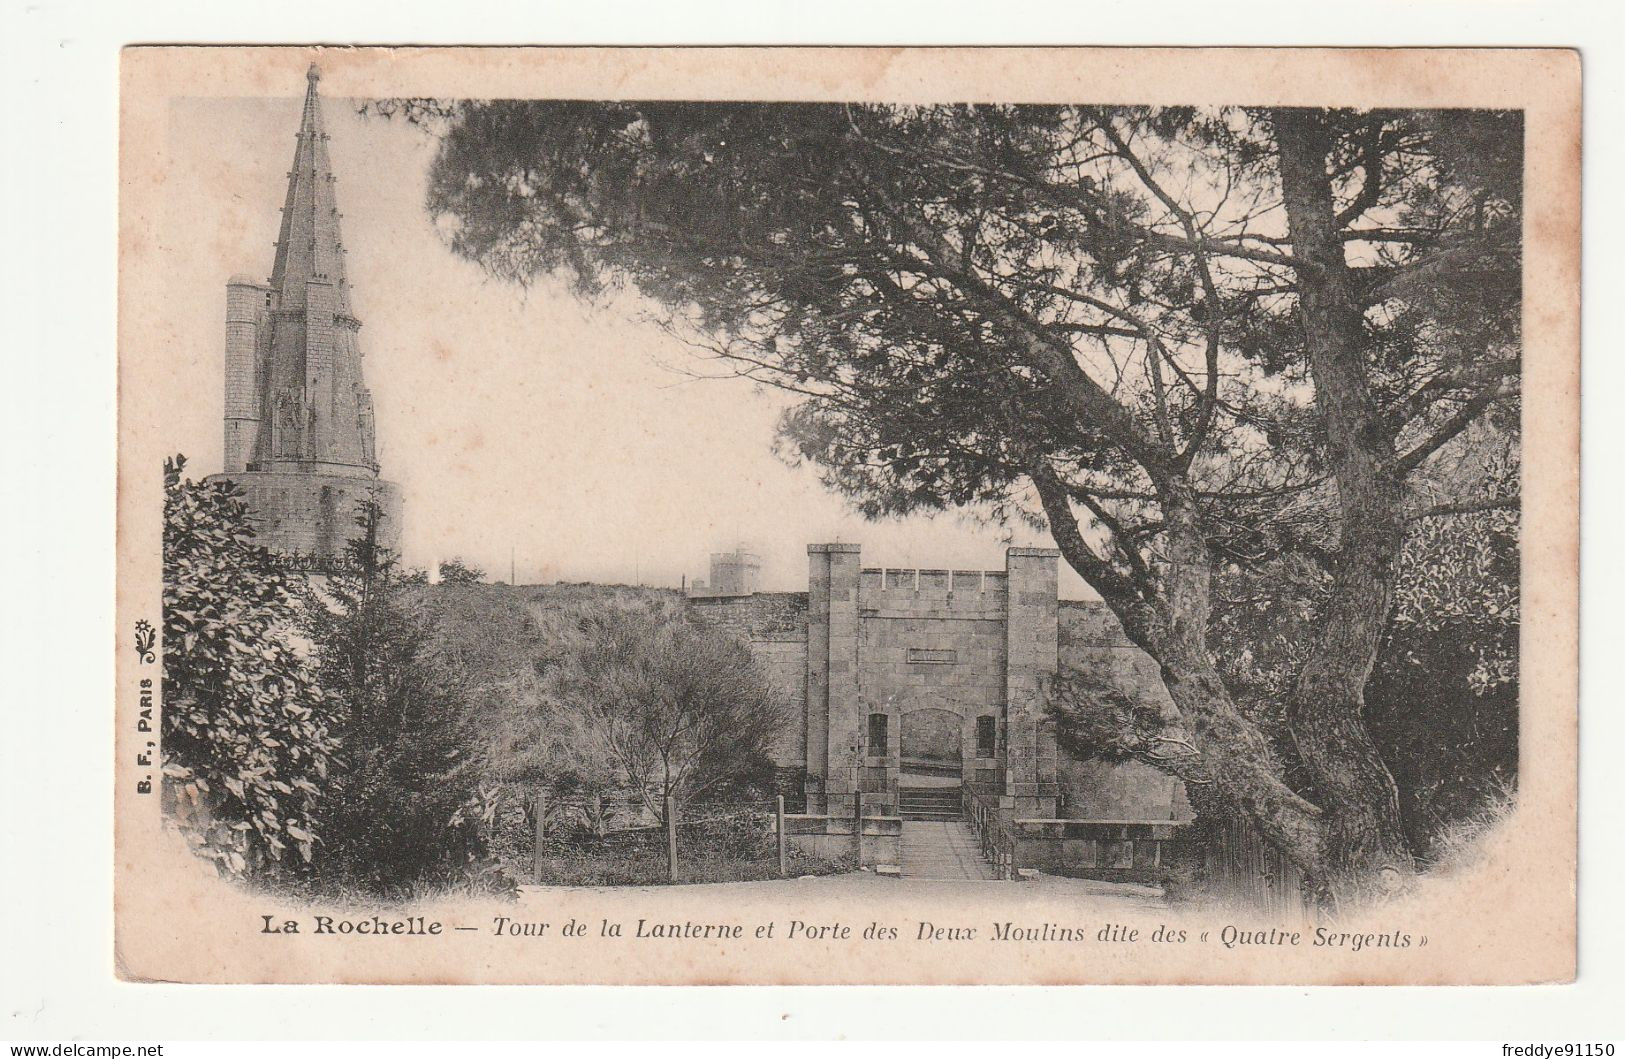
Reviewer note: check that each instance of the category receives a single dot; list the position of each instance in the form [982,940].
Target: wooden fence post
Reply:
[538,855]
[671,838]
[778,814]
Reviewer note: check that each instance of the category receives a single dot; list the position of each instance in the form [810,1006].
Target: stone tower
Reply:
[299,433]
[735,573]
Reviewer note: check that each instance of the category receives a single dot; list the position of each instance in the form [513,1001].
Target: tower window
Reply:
[986,736]
[877,735]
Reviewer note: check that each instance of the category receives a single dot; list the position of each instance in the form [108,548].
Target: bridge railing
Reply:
[993,834]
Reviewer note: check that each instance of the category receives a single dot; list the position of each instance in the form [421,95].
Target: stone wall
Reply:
[831,837]
[1093,641]
[314,514]
[1126,790]
[758,616]
[835,717]
[246,303]
[1123,852]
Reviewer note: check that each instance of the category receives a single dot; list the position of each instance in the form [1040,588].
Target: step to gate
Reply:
[929,803]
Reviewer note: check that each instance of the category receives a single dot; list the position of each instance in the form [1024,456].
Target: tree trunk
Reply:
[1234,750]
[1247,776]
[1364,839]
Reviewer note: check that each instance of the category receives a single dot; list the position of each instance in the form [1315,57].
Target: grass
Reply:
[716,843]
[648,868]
[1463,843]
[486,880]
[710,852]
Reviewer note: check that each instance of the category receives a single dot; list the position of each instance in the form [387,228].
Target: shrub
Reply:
[679,711]
[404,807]
[246,735]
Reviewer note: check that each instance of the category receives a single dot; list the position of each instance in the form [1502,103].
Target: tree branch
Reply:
[1371,162]
[1469,507]
[1451,427]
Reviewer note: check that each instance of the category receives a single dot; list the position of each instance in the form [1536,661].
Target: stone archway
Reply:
[931,743]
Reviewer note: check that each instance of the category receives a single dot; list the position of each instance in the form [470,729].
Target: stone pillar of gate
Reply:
[835,735]
[1032,653]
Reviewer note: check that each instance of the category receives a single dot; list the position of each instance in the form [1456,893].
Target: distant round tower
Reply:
[299,431]
[735,573]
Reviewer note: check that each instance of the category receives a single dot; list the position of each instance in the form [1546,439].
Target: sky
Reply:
[524,426]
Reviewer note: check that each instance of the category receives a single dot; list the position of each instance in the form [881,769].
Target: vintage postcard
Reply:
[803,516]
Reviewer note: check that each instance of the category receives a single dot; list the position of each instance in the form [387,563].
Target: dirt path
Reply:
[863,885]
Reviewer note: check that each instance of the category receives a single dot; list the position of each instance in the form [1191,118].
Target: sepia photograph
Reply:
[675,517]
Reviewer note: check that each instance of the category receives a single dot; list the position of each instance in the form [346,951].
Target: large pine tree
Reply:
[1189,341]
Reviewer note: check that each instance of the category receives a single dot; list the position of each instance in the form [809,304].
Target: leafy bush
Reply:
[246,736]
[678,711]
[505,647]
[456,572]
[1443,700]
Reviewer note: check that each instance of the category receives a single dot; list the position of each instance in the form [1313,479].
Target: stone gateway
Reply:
[906,685]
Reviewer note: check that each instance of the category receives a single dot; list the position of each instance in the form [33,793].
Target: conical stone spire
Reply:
[299,431]
[310,245]
[317,408]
